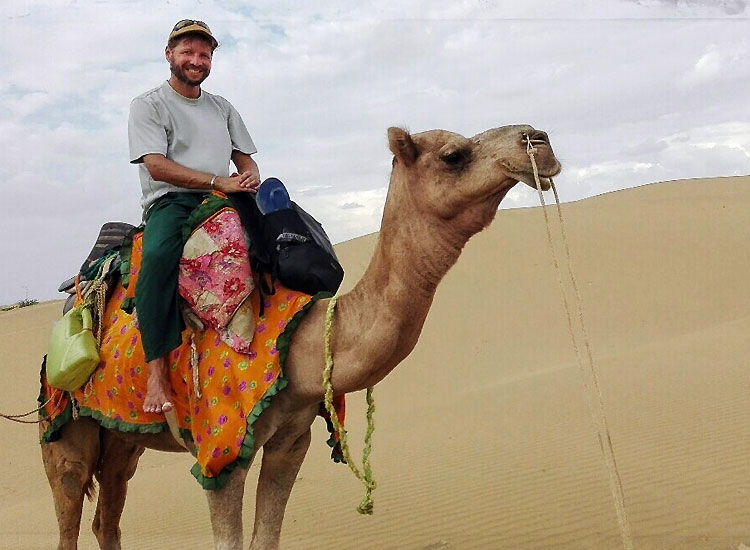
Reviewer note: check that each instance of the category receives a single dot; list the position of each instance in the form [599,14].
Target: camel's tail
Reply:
[89,488]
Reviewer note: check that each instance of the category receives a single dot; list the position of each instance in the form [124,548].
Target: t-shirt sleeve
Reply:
[241,140]
[146,132]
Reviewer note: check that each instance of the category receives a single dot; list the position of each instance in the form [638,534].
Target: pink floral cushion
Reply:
[215,277]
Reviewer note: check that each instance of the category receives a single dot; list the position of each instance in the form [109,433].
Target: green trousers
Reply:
[159,318]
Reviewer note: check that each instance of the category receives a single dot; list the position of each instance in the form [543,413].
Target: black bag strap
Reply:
[252,221]
[261,262]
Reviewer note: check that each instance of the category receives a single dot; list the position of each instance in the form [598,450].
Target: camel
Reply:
[444,188]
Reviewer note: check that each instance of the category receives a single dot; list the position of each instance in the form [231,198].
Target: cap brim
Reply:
[194,29]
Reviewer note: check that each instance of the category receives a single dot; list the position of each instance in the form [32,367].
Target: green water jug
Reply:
[73,354]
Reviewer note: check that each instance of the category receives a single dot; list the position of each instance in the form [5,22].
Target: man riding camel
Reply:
[182,138]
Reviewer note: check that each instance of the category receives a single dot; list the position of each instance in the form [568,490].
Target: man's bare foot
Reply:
[158,388]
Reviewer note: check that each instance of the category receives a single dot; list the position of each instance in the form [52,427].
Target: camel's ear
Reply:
[402,145]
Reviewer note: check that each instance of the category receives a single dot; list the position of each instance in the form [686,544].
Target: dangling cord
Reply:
[19,417]
[594,398]
[74,407]
[194,365]
[366,506]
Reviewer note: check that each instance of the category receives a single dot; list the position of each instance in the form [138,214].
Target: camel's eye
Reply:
[456,159]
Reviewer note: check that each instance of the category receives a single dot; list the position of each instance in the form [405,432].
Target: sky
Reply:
[630,91]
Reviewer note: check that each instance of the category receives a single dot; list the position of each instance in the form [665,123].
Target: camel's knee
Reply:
[70,461]
[288,453]
[76,478]
[301,444]
[71,475]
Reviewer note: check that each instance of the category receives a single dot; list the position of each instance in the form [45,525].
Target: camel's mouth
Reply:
[545,182]
[543,165]
[545,177]
[540,159]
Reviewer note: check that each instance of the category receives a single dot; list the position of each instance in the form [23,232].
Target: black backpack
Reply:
[291,246]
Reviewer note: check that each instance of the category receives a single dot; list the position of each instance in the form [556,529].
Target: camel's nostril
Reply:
[538,135]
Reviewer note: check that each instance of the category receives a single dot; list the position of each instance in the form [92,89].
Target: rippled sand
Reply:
[483,436]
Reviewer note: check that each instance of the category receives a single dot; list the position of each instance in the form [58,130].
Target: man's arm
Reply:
[163,169]
[248,170]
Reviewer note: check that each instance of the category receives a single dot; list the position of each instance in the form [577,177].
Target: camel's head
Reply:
[451,175]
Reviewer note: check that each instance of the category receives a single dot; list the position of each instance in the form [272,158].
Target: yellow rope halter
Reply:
[366,506]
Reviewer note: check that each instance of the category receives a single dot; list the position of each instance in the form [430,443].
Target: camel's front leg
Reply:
[278,472]
[225,505]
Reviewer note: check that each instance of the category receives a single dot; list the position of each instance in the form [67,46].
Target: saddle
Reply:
[110,238]
[221,391]
[215,277]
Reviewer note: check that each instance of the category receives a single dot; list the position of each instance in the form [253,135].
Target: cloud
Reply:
[629,91]
[706,69]
[696,8]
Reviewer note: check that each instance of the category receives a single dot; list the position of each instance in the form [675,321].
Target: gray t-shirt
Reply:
[196,133]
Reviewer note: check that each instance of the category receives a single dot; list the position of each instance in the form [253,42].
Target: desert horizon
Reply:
[483,437]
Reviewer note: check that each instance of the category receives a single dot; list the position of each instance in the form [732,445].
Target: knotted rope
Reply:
[94,296]
[366,506]
[594,398]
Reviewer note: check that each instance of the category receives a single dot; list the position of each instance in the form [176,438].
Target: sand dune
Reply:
[484,439]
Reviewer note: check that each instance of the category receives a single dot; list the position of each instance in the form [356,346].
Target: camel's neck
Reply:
[378,323]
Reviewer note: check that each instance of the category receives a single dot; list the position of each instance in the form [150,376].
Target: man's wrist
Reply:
[212,183]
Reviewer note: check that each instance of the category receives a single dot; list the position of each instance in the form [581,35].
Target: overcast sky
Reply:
[630,91]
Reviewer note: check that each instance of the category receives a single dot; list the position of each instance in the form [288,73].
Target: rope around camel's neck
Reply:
[365,476]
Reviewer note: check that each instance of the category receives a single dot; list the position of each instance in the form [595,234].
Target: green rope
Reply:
[366,506]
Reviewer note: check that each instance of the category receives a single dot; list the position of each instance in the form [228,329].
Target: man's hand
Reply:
[247,181]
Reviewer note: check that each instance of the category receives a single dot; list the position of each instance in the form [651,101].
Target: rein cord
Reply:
[20,418]
[594,398]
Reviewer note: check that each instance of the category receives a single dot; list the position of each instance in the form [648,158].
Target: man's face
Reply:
[190,60]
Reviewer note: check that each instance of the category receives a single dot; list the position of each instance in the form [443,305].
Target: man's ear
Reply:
[167,52]
[402,146]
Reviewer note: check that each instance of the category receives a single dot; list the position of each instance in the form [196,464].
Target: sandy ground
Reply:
[484,439]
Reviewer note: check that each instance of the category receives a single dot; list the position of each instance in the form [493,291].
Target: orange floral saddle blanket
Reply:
[220,392]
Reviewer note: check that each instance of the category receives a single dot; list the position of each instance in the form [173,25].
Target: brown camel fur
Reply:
[444,188]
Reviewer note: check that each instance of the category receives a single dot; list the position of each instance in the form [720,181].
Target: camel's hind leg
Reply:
[70,463]
[117,463]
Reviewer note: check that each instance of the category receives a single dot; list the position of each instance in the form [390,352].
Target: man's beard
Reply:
[182,77]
